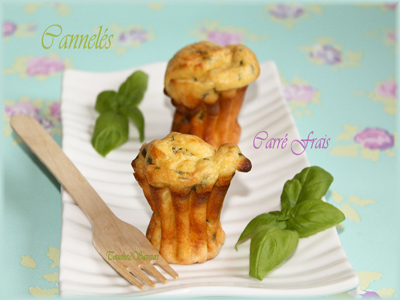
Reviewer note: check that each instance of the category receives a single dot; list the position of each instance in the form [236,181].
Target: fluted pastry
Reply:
[207,84]
[185,180]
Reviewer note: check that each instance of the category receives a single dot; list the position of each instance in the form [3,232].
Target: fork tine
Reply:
[134,281]
[128,276]
[142,276]
[154,272]
[166,267]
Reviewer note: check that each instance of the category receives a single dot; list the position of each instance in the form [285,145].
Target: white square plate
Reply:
[318,267]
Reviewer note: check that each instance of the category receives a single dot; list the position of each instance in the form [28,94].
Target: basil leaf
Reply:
[110,131]
[106,101]
[269,247]
[137,117]
[312,216]
[315,183]
[290,194]
[133,89]
[310,183]
[263,219]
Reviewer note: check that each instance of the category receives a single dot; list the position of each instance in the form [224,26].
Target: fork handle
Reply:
[51,155]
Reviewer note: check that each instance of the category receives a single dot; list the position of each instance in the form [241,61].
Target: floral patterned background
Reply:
[339,79]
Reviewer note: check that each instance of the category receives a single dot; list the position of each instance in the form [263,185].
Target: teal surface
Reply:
[338,67]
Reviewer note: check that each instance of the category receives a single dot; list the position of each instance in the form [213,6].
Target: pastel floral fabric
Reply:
[290,14]
[222,37]
[128,37]
[384,92]
[286,11]
[387,89]
[339,79]
[326,52]
[44,66]
[22,108]
[375,138]
[368,143]
[301,96]
[303,93]
[215,32]
[39,67]
[9,28]
[47,114]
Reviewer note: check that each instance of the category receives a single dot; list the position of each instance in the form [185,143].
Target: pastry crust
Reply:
[199,72]
[185,181]
[207,84]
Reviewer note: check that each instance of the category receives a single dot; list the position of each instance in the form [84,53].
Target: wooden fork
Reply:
[109,232]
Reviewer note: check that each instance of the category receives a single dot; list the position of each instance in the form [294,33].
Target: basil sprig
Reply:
[275,235]
[111,129]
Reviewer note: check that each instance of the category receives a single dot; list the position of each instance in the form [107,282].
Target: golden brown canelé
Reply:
[185,180]
[207,84]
